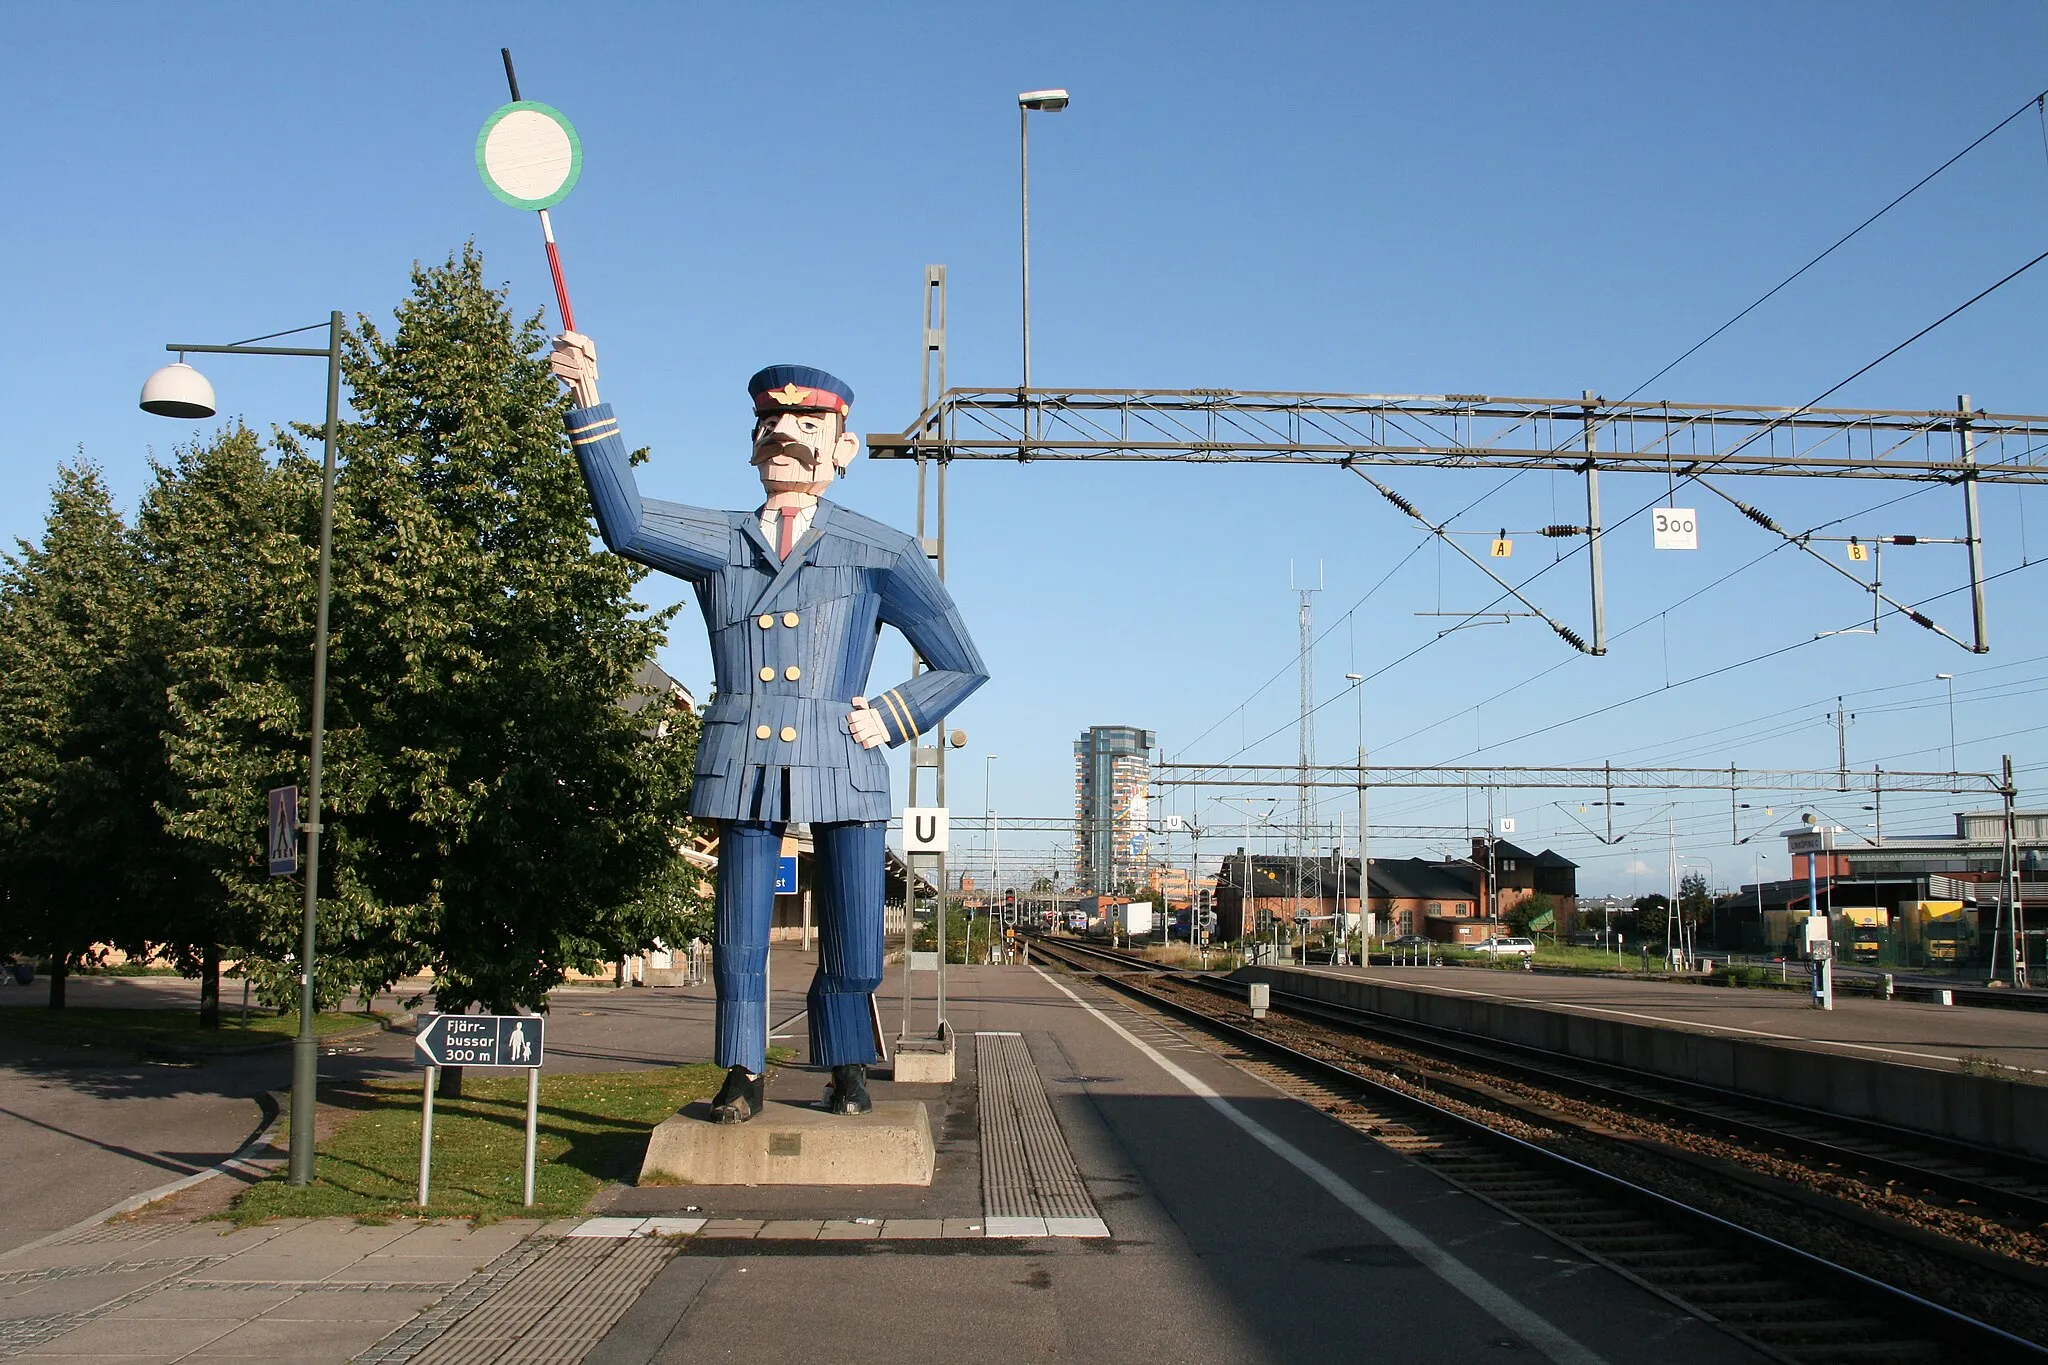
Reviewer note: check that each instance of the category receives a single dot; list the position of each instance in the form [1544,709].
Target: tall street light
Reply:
[1028,103]
[1950,679]
[1357,681]
[988,828]
[178,390]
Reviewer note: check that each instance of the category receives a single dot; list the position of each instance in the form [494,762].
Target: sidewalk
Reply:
[163,1289]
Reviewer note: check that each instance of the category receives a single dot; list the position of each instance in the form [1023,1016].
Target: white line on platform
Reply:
[1532,1327]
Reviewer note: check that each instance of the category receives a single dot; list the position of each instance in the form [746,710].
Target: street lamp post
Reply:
[1028,103]
[180,391]
[1357,681]
[989,829]
[1950,679]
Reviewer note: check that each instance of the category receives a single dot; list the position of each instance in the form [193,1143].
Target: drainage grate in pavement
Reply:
[1030,1186]
[154,1231]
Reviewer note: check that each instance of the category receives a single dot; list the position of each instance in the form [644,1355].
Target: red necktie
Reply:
[788,534]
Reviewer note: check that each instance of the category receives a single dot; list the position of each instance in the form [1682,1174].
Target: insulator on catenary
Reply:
[1555,532]
[1570,637]
[1905,540]
[1917,619]
[1406,506]
[1760,518]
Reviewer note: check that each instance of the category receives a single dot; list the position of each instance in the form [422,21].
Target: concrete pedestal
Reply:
[925,1061]
[789,1144]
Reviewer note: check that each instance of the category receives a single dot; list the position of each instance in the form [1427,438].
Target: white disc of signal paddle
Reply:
[529,155]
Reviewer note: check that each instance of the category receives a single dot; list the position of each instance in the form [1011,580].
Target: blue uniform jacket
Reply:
[791,643]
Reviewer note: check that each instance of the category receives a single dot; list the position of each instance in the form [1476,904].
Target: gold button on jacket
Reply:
[762,732]
[788,734]
[792,672]
[767,674]
[766,621]
[789,618]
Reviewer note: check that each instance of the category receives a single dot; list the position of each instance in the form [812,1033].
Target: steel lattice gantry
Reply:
[1871,781]
[1471,431]
[1961,446]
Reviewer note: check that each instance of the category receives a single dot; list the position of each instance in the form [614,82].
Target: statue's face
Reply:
[801,452]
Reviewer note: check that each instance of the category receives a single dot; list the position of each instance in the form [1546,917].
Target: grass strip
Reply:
[177,1026]
[592,1128]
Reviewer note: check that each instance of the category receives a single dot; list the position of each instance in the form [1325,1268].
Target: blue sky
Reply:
[1490,198]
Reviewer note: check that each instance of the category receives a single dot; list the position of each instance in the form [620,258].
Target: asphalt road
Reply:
[86,1126]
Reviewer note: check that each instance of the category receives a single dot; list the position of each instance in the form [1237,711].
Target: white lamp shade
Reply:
[178,391]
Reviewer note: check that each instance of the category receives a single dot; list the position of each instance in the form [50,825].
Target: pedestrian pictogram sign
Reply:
[284,831]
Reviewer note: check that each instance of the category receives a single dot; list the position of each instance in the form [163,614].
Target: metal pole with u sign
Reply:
[507,1040]
[530,157]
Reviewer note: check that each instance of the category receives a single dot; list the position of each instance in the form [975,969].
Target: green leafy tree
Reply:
[487,782]
[1534,906]
[228,544]
[1653,918]
[76,743]
[1695,901]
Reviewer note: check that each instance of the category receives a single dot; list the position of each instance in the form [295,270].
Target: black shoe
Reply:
[740,1098]
[849,1092]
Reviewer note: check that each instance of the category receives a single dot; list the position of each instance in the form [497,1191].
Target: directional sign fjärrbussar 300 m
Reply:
[479,1040]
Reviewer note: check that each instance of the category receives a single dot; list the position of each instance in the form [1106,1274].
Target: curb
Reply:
[273,1119]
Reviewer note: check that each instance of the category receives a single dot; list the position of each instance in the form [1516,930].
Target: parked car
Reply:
[1408,941]
[1502,946]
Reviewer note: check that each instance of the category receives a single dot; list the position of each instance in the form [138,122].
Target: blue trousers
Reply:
[847,888]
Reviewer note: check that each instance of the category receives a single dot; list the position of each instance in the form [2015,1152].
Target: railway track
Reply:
[1773,1247]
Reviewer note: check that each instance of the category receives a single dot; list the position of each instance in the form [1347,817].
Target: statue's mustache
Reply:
[768,447]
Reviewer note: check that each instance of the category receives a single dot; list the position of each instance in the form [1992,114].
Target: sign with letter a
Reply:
[926,829]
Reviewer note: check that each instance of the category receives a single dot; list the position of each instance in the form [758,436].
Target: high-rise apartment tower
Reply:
[1112,767]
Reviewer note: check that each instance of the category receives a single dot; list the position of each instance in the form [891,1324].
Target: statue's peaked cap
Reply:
[780,388]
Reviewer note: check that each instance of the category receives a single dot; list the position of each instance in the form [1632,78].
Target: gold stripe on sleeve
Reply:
[904,732]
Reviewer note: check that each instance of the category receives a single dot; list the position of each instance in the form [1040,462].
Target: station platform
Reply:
[1976,1074]
[1907,1032]
[1202,1216]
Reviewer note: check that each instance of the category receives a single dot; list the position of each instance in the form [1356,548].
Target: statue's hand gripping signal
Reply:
[794,593]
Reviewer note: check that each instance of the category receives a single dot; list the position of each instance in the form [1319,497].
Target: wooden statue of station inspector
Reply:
[794,595]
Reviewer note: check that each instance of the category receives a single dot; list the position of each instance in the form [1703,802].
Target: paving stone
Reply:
[792,1229]
[962,1227]
[390,1306]
[191,1301]
[918,1228]
[731,1227]
[172,1337]
[846,1230]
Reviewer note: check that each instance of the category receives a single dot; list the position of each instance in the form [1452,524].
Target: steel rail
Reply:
[1936,1320]
[1425,1036]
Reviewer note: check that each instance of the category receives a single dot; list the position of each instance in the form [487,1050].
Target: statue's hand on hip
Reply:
[575,363]
[865,724]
